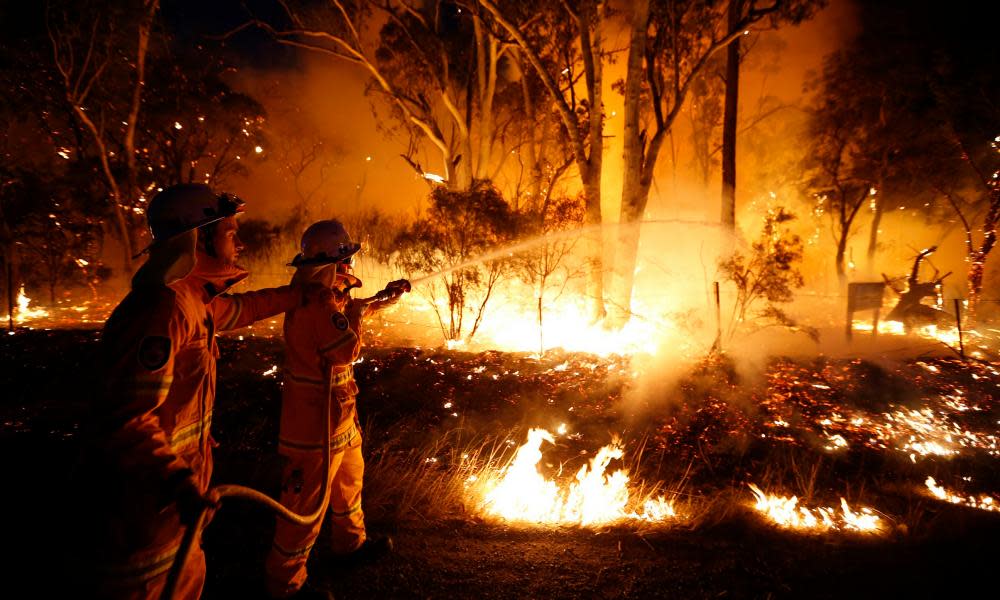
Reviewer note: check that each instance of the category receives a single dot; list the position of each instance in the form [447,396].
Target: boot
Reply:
[373,549]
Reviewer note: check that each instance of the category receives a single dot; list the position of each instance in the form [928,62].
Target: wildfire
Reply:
[24,312]
[983,502]
[519,492]
[786,512]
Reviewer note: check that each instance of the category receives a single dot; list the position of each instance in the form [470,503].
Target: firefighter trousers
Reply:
[302,486]
[144,575]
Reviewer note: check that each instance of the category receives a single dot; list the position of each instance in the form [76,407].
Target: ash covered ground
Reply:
[818,428]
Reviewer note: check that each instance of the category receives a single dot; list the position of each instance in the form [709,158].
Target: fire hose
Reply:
[218,492]
[392,289]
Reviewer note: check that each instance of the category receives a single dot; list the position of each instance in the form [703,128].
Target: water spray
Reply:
[521,246]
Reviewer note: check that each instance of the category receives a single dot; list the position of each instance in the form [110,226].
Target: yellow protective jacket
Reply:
[320,347]
[154,410]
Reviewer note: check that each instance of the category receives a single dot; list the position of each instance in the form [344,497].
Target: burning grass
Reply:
[831,446]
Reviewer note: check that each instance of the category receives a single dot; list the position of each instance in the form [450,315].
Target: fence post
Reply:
[10,293]
[718,318]
[958,323]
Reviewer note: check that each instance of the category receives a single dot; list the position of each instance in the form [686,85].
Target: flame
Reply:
[567,324]
[519,492]
[945,335]
[786,512]
[983,502]
[24,312]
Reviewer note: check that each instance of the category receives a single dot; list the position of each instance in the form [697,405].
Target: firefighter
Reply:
[153,412]
[321,344]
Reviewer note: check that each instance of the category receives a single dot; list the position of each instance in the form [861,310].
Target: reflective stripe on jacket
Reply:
[320,347]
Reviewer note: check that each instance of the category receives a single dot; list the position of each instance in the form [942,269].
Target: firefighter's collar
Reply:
[215,276]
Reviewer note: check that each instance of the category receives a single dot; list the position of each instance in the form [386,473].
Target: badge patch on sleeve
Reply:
[154,351]
[340,321]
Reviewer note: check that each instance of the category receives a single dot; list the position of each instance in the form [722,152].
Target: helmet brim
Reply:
[230,205]
[207,221]
[301,261]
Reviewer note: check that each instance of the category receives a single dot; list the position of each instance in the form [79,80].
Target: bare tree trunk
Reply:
[118,207]
[876,223]
[588,160]
[729,124]
[486,69]
[10,292]
[977,259]
[10,265]
[142,49]
[594,239]
[879,190]
[633,198]
[532,156]
[592,59]
[841,251]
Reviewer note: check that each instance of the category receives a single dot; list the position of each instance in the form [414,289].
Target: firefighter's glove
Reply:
[394,290]
[191,502]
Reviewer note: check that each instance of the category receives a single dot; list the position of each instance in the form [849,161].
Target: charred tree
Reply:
[582,118]
[670,46]
[730,113]
[83,54]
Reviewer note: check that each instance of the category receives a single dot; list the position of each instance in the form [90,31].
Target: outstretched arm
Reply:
[232,311]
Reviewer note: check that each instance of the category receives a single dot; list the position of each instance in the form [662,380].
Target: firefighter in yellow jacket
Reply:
[154,411]
[321,346]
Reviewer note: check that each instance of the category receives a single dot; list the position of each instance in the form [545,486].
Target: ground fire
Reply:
[477,299]
[519,492]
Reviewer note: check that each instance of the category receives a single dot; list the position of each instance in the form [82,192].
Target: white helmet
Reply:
[324,243]
[186,206]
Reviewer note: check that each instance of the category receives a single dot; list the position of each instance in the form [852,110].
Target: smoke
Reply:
[330,152]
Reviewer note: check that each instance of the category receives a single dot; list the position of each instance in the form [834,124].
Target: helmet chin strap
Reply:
[345,282]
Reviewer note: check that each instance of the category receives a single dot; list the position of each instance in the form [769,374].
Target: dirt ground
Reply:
[447,552]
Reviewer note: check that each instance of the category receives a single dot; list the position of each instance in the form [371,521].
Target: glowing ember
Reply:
[519,492]
[785,511]
[983,502]
[930,434]
[945,423]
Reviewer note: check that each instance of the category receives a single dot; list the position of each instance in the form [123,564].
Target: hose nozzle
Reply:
[392,291]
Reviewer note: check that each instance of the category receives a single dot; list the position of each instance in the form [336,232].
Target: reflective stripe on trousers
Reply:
[145,575]
[302,484]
